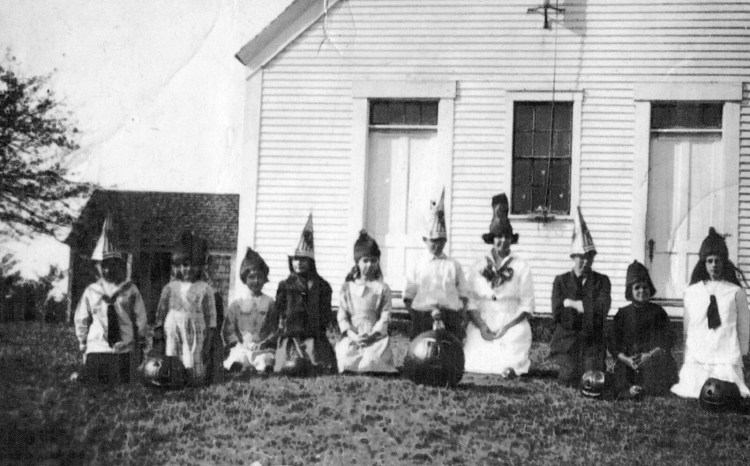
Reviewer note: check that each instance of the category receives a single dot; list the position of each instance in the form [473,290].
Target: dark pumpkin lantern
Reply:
[719,395]
[435,358]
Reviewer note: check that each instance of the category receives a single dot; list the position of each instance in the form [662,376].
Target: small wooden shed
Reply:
[149,223]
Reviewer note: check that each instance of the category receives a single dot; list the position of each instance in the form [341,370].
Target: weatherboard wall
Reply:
[490,49]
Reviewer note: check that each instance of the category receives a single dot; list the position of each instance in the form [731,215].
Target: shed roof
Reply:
[149,219]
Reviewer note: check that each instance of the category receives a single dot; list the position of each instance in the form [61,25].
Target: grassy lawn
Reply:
[340,420]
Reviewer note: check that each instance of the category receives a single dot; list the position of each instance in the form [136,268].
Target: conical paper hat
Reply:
[436,221]
[582,240]
[306,247]
[106,246]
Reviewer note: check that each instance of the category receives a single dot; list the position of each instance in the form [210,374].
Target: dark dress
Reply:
[640,329]
[577,342]
[300,318]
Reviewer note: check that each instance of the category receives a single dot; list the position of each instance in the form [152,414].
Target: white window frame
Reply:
[574,97]
[646,93]
[362,92]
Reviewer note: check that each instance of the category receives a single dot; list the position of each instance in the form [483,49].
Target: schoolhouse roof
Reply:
[153,220]
[293,21]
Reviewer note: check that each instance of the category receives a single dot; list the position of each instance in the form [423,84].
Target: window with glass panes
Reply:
[542,157]
[386,113]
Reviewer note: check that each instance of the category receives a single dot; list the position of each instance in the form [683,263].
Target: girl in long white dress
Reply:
[716,322]
[498,337]
[364,310]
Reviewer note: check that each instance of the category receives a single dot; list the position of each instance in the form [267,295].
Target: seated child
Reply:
[243,326]
[110,320]
[716,322]
[302,314]
[641,341]
[364,310]
[187,308]
[435,285]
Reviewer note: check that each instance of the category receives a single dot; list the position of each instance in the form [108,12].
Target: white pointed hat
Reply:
[107,247]
[306,247]
[436,220]
[582,241]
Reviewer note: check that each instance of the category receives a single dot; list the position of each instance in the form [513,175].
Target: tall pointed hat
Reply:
[306,247]
[436,220]
[252,261]
[108,246]
[582,241]
[500,223]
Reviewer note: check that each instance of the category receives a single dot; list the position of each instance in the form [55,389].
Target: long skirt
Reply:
[305,356]
[375,357]
[249,355]
[184,334]
[655,376]
[694,374]
[511,351]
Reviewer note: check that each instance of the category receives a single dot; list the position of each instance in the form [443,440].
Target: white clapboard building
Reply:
[361,111]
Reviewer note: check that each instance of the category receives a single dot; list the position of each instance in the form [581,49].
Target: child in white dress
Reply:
[252,343]
[364,310]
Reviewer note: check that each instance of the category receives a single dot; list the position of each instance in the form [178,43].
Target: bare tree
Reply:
[35,137]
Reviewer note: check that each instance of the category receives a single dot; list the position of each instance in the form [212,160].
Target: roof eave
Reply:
[293,21]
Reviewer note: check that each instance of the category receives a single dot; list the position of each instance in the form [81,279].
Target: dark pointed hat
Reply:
[252,261]
[194,247]
[637,273]
[713,245]
[365,246]
[500,223]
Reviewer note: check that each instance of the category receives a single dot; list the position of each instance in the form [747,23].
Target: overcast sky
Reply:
[145,80]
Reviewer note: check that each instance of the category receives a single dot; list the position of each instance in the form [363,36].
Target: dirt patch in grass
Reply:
[338,420]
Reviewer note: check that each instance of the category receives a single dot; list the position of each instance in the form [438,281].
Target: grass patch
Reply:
[338,420]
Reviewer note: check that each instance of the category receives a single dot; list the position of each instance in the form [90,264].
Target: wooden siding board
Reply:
[602,49]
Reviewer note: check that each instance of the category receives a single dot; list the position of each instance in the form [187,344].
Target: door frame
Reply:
[362,92]
[646,93]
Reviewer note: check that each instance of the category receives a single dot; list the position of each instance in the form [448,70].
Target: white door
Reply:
[686,196]
[403,175]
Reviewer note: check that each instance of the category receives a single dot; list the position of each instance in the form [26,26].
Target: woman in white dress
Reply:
[498,337]
[716,322]
[364,310]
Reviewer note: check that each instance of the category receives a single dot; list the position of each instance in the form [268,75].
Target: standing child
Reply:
[435,285]
[641,340]
[364,310]
[244,331]
[110,319]
[302,314]
[187,310]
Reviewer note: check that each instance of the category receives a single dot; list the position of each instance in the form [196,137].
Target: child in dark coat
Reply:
[302,314]
[641,341]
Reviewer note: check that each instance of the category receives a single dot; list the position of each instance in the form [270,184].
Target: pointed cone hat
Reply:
[107,246]
[306,247]
[582,240]
[500,223]
[253,261]
[637,273]
[436,220]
